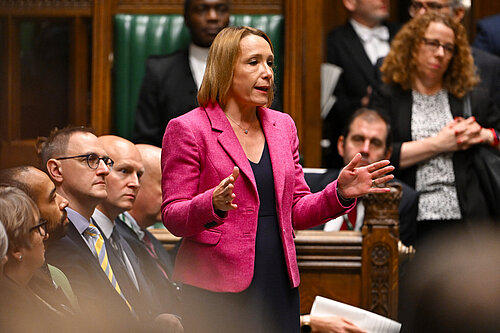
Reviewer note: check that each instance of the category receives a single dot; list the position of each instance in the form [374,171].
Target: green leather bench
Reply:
[139,36]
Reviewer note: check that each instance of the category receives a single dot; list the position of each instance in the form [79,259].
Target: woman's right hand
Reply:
[223,196]
[446,139]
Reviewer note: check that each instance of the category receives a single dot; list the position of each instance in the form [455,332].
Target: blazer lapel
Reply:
[277,145]
[229,141]
[354,46]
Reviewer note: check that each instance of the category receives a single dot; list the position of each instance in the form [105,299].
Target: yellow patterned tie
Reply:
[100,248]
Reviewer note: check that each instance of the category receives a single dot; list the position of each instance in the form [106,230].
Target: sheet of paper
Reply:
[369,321]
[330,74]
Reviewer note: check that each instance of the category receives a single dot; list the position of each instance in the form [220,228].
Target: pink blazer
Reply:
[199,150]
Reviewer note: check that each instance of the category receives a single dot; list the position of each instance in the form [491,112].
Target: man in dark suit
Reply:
[488,65]
[157,263]
[170,85]
[368,132]
[122,185]
[78,164]
[355,47]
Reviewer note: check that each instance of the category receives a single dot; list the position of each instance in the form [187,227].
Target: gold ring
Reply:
[373,182]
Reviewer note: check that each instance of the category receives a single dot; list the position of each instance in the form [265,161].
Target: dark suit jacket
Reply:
[345,49]
[408,206]
[488,34]
[488,66]
[168,90]
[165,291]
[106,310]
[397,104]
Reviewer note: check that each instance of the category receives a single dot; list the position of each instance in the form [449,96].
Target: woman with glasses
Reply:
[429,79]
[22,310]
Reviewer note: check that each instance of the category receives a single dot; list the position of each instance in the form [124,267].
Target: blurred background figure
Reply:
[488,34]
[427,75]
[355,47]
[488,65]
[4,244]
[171,82]
[452,284]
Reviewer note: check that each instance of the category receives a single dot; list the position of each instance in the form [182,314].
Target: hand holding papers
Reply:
[366,320]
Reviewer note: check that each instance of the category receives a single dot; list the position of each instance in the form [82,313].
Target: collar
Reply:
[80,222]
[130,222]
[198,53]
[104,223]
[380,32]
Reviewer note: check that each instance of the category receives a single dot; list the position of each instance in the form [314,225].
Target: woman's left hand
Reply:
[355,182]
[471,133]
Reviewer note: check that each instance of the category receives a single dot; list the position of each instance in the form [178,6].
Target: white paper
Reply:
[330,74]
[369,321]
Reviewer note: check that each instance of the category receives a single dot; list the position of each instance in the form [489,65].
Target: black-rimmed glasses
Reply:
[433,45]
[93,160]
[415,6]
[41,227]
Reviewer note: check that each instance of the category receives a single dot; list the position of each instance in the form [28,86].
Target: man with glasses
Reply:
[355,47]
[488,65]
[78,165]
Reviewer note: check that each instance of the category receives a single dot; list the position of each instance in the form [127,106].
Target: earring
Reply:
[21,257]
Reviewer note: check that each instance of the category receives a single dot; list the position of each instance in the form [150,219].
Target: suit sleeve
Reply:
[186,211]
[310,209]
[148,118]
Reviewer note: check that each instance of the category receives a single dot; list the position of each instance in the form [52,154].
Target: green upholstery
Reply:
[139,36]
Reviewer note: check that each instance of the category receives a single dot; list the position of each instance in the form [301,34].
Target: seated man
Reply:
[78,165]
[157,263]
[368,132]
[50,283]
[122,184]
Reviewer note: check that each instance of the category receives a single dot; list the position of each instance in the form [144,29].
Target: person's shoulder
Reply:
[167,59]
[482,57]
[339,31]
[490,21]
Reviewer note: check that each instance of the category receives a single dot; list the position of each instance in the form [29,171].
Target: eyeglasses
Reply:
[41,227]
[93,160]
[433,45]
[415,6]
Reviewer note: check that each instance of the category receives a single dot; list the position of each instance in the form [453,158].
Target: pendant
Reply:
[246,131]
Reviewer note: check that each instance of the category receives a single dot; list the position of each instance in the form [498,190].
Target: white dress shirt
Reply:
[375,40]
[198,61]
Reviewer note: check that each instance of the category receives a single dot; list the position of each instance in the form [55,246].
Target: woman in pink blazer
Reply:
[234,190]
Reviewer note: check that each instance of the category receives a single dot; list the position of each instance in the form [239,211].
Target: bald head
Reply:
[123,181]
[147,208]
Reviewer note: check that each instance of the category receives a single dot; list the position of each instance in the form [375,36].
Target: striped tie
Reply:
[98,243]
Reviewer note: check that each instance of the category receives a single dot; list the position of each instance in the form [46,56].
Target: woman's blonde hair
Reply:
[221,61]
[400,64]
[17,213]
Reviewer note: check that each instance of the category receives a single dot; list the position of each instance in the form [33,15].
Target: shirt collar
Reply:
[80,222]
[381,32]
[104,223]
[199,53]
[130,222]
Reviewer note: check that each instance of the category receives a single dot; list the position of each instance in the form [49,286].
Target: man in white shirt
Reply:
[171,82]
[355,47]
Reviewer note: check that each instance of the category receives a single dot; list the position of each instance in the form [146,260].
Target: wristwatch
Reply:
[305,322]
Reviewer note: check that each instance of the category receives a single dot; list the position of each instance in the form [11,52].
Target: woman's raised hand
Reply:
[223,196]
[355,182]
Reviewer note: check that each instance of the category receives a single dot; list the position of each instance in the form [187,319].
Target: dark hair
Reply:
[369,115]
[13,177]
[56,144]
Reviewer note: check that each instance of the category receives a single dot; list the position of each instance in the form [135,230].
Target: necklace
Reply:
[234,121]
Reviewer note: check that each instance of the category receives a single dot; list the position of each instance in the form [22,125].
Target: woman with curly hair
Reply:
[429,79]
